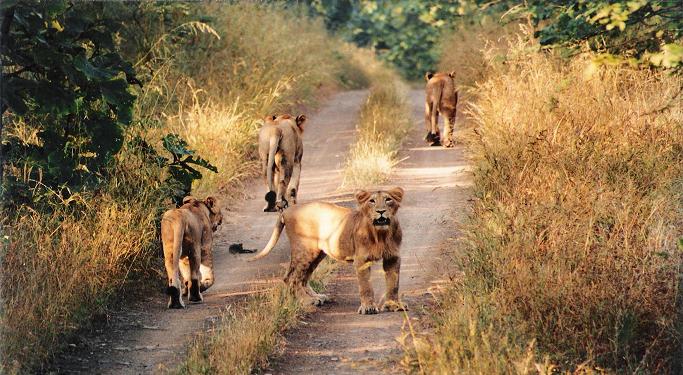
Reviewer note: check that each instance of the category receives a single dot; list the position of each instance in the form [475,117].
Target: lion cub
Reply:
[441,98]
[187,237]
[361,236]
[281,149]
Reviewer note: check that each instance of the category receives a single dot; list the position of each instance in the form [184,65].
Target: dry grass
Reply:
[465,49]
[250,72]
[382,126]
[572,251]
[66,263]
[248,334]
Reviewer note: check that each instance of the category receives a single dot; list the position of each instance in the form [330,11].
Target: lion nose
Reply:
[381,212]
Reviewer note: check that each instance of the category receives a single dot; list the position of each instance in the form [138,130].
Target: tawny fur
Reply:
[441,98]
[281,149]
[187,239]
[361,236]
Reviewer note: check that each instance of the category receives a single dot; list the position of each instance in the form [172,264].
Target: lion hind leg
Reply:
[318,298]
[449,124]
[185,273]
[195,295]
[172,245]
[302,264]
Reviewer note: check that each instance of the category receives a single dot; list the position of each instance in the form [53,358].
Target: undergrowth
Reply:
[246,336]
[571,255]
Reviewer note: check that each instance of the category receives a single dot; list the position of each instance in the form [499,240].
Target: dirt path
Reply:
[150,337]
[336,340]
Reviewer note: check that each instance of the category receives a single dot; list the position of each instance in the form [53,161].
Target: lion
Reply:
[281,149]
[187,239]
[442,98]
[360,236]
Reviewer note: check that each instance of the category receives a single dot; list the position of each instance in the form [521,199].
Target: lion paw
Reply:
[175,301]
[393,306]
[195,294]
[367,309]
[448,144]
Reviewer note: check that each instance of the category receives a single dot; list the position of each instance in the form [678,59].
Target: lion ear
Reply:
[429,76]
[189,199]
[300,120]
[362,196]
[452,74]
[396,193]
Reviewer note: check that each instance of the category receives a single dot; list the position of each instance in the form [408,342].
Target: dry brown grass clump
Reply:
[246,335]
[382,125]
[573,246]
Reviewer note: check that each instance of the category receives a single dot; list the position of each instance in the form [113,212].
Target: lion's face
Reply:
[380,206]
[215,214]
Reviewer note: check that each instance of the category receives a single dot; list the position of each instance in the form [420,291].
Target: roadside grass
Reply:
[68,259]
[246,335]
[383,124]
[571,255]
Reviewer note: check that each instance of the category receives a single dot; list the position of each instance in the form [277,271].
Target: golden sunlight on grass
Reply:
[382,126]
[572,251]
[246,335]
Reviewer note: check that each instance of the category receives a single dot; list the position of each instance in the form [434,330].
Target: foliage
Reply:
[646,31]
[403,32]
[181,174]
[62,74]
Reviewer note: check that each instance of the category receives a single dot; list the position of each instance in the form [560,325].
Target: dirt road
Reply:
[149,337]
[336,340]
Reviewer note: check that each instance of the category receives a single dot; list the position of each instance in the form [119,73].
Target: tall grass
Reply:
[247,335]
[571,255]
[382,125]
[68,261]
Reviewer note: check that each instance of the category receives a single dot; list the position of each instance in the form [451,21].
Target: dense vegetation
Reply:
[407,33]
[104,105]
[571,256]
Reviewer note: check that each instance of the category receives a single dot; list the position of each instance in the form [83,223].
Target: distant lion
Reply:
[442,98]
[281,149]
[360,236]
[187,239]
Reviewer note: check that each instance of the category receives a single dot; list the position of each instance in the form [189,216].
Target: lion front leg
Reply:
[392,268]
[367,295]
[206,265]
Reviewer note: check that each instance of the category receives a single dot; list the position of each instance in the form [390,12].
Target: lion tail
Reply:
[277,231]
[272,150]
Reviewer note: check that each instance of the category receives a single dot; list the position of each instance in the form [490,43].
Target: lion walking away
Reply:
[441,98]
[187,239]
[281,149]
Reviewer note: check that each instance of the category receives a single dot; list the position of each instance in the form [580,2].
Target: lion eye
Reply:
[372,201]
[387,200]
